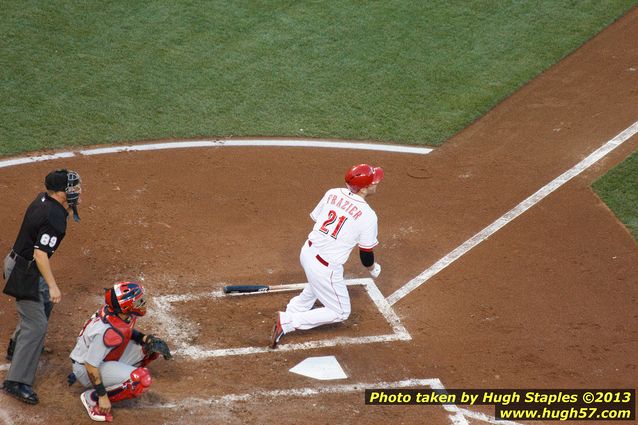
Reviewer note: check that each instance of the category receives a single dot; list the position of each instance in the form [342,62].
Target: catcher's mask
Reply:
[69,182]
[127,298]
[362,176]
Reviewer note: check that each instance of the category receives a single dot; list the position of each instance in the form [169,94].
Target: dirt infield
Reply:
[548,301]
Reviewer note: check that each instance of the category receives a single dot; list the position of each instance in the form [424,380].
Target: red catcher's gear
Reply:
[127,298]
[119,335]
[362,176]
[138,384]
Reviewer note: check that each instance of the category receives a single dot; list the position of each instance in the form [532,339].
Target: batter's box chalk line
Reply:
[457,416]
[180,329]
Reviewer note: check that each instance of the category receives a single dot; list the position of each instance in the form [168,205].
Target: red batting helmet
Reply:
[127,298]
[363,175]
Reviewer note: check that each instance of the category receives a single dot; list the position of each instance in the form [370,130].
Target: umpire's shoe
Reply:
[22,392]
[277,332]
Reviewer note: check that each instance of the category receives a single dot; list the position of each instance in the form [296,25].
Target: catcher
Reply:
[110,356]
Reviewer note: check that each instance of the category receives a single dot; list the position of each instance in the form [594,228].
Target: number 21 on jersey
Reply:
[332,217]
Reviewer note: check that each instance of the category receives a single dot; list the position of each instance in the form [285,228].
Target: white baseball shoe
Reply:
[92,409]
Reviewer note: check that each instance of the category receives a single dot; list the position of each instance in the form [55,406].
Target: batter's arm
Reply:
[44,266]
[367,257]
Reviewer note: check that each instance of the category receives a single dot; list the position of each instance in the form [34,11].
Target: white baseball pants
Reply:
[326,284]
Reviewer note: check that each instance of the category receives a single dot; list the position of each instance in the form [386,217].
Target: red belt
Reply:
[321,260]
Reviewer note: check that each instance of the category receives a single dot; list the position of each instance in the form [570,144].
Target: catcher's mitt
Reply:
[154,344]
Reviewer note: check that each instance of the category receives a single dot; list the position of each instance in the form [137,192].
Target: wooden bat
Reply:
[263,289]
[260,289]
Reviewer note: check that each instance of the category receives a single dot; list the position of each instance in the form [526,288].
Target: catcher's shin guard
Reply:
[139,383]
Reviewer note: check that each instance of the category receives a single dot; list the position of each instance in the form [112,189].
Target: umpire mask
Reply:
[73,190]
[67,181]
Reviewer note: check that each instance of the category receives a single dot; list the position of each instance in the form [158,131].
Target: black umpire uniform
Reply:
[43,228]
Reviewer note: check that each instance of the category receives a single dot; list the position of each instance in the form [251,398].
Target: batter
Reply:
[343,219]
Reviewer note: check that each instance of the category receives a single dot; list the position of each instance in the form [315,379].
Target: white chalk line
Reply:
[293,392]
[180,330]
[30,159]
[332,144]
[513,213]
[198,352]
[484,417]
[386,310]
[5,417]
[457,415]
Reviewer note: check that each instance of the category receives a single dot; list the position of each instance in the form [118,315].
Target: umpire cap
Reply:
[57,180]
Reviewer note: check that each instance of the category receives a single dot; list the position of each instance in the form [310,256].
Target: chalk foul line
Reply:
[332,144]
[457,415]
[297,143]
[506,218]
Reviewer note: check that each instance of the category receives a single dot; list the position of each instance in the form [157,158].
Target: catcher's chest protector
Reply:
[119,334]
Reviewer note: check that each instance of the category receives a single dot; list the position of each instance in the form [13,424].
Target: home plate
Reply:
[323,368]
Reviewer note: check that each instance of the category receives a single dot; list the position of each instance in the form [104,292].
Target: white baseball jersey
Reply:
[343,220]
[90,347]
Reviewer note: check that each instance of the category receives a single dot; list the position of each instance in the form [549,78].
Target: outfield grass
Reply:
[78,73]
[619,189]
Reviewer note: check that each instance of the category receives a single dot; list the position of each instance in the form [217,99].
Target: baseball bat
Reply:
[257,289]
[263,289]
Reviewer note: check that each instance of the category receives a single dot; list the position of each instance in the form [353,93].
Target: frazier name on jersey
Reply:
[345,205]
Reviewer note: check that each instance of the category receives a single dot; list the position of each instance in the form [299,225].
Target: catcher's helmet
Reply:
[363,175]
[127,298]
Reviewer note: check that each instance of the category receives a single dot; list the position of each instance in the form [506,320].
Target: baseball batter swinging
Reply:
[343,219]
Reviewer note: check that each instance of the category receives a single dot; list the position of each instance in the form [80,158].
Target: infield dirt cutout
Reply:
[547,301]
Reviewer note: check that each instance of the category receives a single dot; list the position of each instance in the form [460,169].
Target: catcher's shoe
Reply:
[277,332]
[92,408]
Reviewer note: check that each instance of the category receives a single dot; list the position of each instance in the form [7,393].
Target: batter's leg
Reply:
[302,302]
[328,286]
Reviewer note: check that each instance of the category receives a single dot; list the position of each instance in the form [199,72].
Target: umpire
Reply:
[30,280]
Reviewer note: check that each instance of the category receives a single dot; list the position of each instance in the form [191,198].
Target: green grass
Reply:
[619,189]
[78,73]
